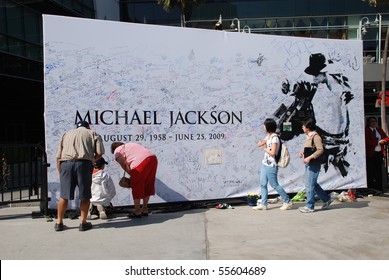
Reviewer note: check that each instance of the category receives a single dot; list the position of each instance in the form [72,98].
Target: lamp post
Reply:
[246,27]
[235,27]
[378,20]
[362,27]
[362,31]
[219,23]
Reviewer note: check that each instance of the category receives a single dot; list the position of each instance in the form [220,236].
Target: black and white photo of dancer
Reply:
[326,90]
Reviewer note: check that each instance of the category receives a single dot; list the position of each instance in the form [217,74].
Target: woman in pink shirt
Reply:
[142,165]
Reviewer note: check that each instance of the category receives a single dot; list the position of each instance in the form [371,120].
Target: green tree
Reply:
[384,125]
[184,6]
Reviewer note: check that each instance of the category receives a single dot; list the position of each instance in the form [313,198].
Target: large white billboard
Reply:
[198,99]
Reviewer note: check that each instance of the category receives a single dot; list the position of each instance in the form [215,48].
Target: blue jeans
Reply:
[312,187]
[269,174]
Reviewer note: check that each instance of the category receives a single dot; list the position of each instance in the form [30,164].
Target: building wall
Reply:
[107,10]
[21,66]
[372,73]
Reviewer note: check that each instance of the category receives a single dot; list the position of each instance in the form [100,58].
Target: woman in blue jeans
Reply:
[269,169]
[312,167]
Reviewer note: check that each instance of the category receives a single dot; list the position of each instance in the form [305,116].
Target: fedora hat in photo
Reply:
[316,64]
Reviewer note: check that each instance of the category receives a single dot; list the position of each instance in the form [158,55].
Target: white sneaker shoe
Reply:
[305,209]
[274,200]
[102,213]
[287,206]
[260,207]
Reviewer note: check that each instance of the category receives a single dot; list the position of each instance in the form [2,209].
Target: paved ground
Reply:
[347,231]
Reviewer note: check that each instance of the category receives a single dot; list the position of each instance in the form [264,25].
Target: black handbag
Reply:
[322,159]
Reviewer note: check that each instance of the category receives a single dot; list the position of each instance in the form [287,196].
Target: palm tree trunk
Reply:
[383,90]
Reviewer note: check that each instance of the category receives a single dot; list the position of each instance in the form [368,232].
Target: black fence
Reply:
[23,175]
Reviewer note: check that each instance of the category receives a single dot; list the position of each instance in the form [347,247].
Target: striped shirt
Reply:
[80,144]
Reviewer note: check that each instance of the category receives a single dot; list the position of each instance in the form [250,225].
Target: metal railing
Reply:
[23,175]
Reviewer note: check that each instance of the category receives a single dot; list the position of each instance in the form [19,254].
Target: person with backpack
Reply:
[313,149]
[269,170]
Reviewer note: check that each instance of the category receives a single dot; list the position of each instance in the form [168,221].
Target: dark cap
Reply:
[100,162]
[83,124]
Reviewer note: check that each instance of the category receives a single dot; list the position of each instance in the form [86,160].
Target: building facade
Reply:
[21,61]
[21,64]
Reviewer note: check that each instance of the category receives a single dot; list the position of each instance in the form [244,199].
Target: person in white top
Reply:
[269,169]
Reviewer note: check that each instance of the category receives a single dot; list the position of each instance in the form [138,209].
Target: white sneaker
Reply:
[305,209]
[260,207]
[102,213]
[274,200]
[287,206]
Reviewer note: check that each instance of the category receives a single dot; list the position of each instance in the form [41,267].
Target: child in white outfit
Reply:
[103,189]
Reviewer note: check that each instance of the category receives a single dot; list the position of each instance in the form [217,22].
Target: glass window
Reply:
[34,52]
[78,7]
[258,23]
[3,24]
[271,23]
[337,34]
[302,22]
[15,20]
[89,3]
[285,23]
[32,27]
[319,21]
[16,47]
[3,43]
[319,34]
[301,33]
[336,21]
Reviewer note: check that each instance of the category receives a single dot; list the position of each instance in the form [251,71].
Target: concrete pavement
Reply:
[346,231]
